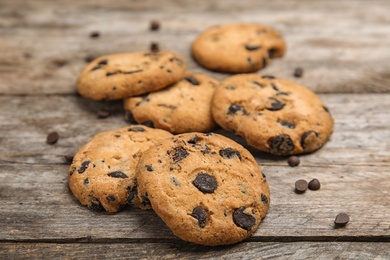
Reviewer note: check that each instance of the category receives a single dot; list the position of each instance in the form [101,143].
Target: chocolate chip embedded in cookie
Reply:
[274,115]
[238,48]
[182,107]
[102,173]
[207,188]
[124,75]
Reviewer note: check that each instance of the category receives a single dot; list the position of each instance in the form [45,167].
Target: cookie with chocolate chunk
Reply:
[182,107]
[207,188]
[274,115]
[102,174]
[238,48]
[124,75]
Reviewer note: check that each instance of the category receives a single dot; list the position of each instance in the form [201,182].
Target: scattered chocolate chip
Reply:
[111,198]
[200,214]
[298,72]
[86,181]
[94,34]
[293,161]
[149,168]
[314,184]
[179,153]
[275,105]
[268,77]
[117,174]
[300,186]
[281,144]
[192,80]
[83,167]
[205,183]
[154,25]
[233,109]
[287,124]
[228,153]
[341,220]
[154,47]
[305,136]
[243,220]
[136,129]
[96,205]
[252,47]
[193,140]
[264,199]
[52,138]
[148,124]
[130,118]
[69,157]
[258,84]
[103,114]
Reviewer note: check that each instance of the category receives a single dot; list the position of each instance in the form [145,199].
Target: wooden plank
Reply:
[38,206]
[300,250]
[361,130]
[44,43]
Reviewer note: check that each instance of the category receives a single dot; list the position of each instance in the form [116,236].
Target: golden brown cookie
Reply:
[124,75]
[238,48]
[207,188]
[274,115]
[182,107]
[102,173]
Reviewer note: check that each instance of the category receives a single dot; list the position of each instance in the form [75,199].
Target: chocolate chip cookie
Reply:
[102,173]
[274,115]
[182,107]
[124,75]
[238,48]
[207,188]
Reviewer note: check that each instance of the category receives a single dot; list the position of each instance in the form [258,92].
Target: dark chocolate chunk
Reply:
[130,118]
[136,129]
[264,199]
[117,174]
[300,186]
[281,144]
[268,77]
[252,47]
[293,161]
[83,167]
[103,62]
[108,74]
[154,25]
[148,124]
[298,72]
[94,34]
[192,80]
[229,153]
[200,214]
[132,194]
[314,184]
[258,84]
[149,168]
[233,109]
[341,220]
[179,153]
[243,220]
[193,140]
[276,105]
[306,135]
[52,138]
[96,205]
[205,183]
[117,136]
[69,157]
[86,181]
[103,114]
[154,47]
[287,124]
[111,198]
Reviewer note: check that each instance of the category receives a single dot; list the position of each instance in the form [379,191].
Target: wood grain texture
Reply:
[342,46]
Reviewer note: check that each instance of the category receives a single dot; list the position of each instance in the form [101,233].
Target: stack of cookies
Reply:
[207,188]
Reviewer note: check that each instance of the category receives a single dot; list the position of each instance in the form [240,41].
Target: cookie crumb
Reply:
[52,138]
[154,25]
[298,72]
[341,220]
[101,114]
[300,186]
[94,34]
[314,184]
[293,161]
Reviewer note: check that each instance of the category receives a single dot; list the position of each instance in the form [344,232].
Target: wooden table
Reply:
[344,49]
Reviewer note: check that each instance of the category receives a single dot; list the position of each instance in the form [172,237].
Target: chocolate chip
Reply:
[287,124]
[96,205]
[281,144]
[258,84]
[264,199]
[149,168]
[193,140]
[233,109]
[132,194]
[154,25]
[136,129]
[96,67]
[200,214]
[59,62]
[129,117]
[206,150]
[293,161]
[52,138]
[275,105]
[271,53]
[274,87]
[86,181]
[154,47]
[94,34]
[69,157]
[298,72]
[243,220]
[111,198]
[103,62]
[192,80]
[117,174]
[205,183]
[229,153]
[314,184]
[252,47]
[268,77]
[101,114]
[179,153]
[83,167]
[148,124]
[305,136]
[341,220]
[326,109]
[89,58]
[175,181]
[300,186]
[145,199]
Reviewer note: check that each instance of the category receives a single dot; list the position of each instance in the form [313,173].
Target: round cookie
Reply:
[124,75]
[182,107]
[237,48]
[102,174]
[274,115]
[207,188]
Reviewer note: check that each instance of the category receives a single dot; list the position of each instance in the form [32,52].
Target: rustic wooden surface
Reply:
[344,49]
